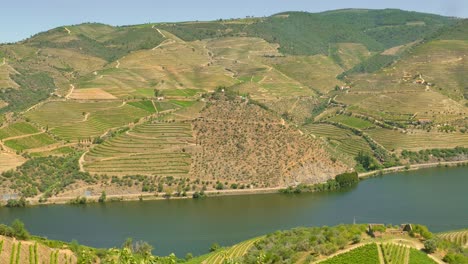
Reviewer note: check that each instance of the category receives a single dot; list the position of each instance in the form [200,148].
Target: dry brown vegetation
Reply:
[27,249]
[239,141]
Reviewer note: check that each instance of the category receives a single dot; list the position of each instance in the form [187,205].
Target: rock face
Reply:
[241,142]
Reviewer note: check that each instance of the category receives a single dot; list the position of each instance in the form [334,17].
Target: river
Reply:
[435,197]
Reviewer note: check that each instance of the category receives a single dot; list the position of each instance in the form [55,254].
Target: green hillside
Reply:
[328,245]
[255,102]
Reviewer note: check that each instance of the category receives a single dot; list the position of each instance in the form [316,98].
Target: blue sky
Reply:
[20,19]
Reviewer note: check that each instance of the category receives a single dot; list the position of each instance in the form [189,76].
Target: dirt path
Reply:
[162,34]
[23,136]
[72,88]
[164,43]
[412,167]
[118,64]
[81,161]
[86,116]
[68,31]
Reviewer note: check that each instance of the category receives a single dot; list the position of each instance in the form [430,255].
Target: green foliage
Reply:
[48,175]
[103,197]
[418,257]
[118,43]
[214,247]
[17,203]
[18,253]
[456,258]
[145,105]
[35,87]
[441,154]
[282,246]
[422,231]
[301,33]
[366,162]
[430,246]
[347,179]
[371,65]
[78,201]
[16,229]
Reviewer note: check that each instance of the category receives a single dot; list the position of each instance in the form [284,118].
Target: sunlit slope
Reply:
[428,82]
[173,64]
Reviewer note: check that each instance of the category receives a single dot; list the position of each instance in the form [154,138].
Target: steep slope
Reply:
[238,141]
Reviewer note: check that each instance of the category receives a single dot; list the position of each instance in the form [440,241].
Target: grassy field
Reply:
[349,55]
[5,80]
[17,129]
[367,254]
[149,149]
[352,121]
[172,65]
[61,151]
[305,70]
[459,237]
[394,140]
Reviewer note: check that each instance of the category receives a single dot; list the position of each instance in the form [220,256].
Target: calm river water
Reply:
[435,197]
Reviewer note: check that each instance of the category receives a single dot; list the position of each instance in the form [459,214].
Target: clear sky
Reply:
[20,19]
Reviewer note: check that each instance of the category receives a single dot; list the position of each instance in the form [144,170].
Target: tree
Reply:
[19,231]
[430,246]
[214,247]
[103,197]
[143,248]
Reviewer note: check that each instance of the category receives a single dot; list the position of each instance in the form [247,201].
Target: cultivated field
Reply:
[367,254]
[233,253]
[10,161]
[84,120]
[342,140]
[23,252]
[160,149]
[395,140]
[459,237]
[17,129]
[395,253]
[352,121]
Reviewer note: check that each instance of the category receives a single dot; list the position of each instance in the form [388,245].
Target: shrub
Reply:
[430,246]
[347,179]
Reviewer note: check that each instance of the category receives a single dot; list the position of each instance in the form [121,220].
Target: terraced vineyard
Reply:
[148,149]
[17,129]
[352,121]
[233,253]
[391,139]
[367,254]
[394,253]
[418,257]
[341,140]
[78,120]
[458,237]
[10,161]
[19,252]
[30,142]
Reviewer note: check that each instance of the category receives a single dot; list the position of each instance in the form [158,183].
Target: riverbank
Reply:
[145,196]
[412,168]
